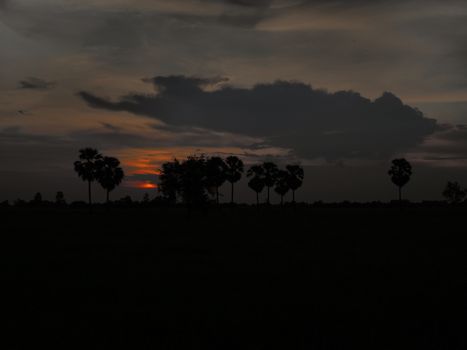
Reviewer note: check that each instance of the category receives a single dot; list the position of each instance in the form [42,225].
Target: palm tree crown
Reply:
[87,166]
[233,172]
[295,178]
[400,173]
[109,174]
[270,175]
[282,184]
[215,174]
[257,183]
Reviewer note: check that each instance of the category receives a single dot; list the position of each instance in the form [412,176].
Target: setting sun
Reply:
[143,185]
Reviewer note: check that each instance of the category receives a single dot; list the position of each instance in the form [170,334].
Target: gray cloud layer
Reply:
[313,123]
[36,84]
[414,48]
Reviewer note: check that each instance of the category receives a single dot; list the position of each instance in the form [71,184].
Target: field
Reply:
[235,278]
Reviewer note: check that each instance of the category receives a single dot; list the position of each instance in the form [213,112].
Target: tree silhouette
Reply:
[170,180]
[400,173]
[87,167]
[295,178]
[193,180]
[109,174]
[282,184]
[256,183]
[216,174]
[270,176]
[453,192]
[60,198]
[233,172]
[37,198]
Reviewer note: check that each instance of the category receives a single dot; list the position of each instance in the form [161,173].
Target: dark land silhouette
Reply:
[182,270]
[306,276]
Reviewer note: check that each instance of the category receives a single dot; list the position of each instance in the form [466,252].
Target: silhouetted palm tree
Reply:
[216,174]
[257,183]
[170,180]
[295,178]
[270,176]
[453,193]
[282,184]
[400,173]
[87,167]
[109,174]
[233,172]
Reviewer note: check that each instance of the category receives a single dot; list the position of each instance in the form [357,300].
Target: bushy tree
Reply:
[60,198]
[37,198]
[170,180]
[453,192]
[193,180]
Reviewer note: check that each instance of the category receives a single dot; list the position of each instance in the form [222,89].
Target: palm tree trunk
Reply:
[231,193]
[268,195]
[217,195]
[257,199]
[108,195]
[293,196]
[400,194]
[89,193]
[282,200]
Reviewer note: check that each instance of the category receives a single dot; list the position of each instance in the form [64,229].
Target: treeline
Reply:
[196,178]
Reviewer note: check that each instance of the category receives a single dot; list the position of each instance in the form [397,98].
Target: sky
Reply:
[341,87]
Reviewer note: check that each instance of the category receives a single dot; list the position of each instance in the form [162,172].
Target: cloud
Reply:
[36,84]
[330,43]
[445,148]
[312,122]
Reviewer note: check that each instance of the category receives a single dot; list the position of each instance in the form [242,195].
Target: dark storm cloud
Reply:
[314,123]
[36,84]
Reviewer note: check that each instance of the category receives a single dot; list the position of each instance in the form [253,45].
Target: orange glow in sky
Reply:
[143,185]
[147,185]
[138,161]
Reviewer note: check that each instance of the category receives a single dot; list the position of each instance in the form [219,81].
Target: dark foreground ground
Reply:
[308,278]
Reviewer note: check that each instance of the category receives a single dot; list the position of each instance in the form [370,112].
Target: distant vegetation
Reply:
[197,180]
